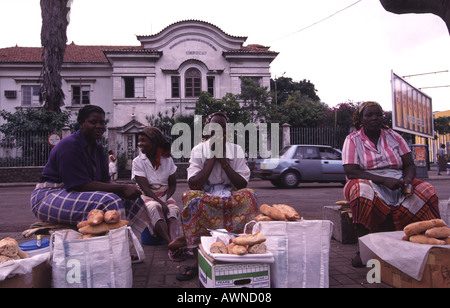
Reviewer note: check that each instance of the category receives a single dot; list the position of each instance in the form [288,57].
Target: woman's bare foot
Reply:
[177,243]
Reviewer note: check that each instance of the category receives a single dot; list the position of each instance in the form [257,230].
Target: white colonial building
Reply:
[168,69]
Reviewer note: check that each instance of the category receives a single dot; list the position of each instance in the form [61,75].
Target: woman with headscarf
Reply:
[382,188]
[76,179]
[219,198]
[154,172]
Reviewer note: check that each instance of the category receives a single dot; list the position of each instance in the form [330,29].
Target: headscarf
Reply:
[159,140]
[357,116]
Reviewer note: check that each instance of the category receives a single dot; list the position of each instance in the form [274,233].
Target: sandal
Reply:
[189,273]
[177,255]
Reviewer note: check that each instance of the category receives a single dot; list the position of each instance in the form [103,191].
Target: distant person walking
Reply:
[442,160]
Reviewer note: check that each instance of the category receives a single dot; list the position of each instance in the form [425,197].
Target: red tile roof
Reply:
[73,53]
[92,54]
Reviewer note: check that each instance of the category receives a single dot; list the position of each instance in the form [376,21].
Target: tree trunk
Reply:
[53,40]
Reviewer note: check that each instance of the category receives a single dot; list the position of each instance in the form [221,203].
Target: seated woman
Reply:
[154,172]
[382,189]
[76,180]
[219,198]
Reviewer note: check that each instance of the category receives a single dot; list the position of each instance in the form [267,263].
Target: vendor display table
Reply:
[407,264]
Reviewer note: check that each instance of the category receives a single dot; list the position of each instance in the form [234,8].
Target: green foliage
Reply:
[229,104]
[442,125]
[257,101]
[282,87]
[30,120]
[301,111]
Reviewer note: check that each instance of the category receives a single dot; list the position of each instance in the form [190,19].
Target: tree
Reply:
[257,101]
[31,120]
[282,87]
[229,104]
[442,125]
[440,8]
[53,39]
[302,111]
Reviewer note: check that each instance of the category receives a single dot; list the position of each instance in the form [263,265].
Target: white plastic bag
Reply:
[301,251]
[99,262]
[444,209]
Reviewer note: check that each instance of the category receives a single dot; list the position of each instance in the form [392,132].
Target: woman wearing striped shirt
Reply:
[382,188]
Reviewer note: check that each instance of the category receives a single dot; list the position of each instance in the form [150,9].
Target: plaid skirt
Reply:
[202,211]
[370,210]
[59,206]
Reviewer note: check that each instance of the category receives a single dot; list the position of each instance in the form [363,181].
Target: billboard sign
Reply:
[412,110]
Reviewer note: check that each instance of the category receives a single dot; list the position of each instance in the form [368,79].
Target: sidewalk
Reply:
[157,271]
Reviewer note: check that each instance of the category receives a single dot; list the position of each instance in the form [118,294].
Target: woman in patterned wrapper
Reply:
[219,198]
[382,188]
[76,179]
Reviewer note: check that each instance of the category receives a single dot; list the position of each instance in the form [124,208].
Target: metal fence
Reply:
[23,149]
[316,136]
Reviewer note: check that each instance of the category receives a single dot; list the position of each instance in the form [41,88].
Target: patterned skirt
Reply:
[202,211]
[59,206]
[371,210]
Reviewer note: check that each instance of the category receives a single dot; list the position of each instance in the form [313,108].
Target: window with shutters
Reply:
[193,82]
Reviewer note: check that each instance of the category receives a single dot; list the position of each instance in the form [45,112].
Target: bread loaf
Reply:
[9,247]
[262,217]
[95,217]
[218,247]
[102,228]
[272,212]
[423,239]
[3,259]
[257,249]
[438,232]
[234,249]
[250,239]
[289,212]
[112,217]
[422,226]
[82,224]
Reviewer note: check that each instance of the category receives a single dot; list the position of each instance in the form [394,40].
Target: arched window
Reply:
[193,82]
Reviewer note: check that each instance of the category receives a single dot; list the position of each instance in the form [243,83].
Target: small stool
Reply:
[148,239]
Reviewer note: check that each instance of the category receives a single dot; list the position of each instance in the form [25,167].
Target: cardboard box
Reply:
[436,273]
[39,277]
[343,228]
[214,274]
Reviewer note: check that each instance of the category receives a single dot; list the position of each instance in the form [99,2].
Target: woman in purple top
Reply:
[76,179]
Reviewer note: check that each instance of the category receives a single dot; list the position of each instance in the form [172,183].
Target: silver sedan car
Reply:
[302,163]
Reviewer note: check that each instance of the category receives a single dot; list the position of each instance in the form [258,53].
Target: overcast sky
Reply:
[348,56]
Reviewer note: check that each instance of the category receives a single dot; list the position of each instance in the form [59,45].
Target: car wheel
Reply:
[290,179]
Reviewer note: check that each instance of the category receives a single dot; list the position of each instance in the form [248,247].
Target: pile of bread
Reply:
[98,223]
[9,250]
[281,212]
[241,245]
[430,232]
